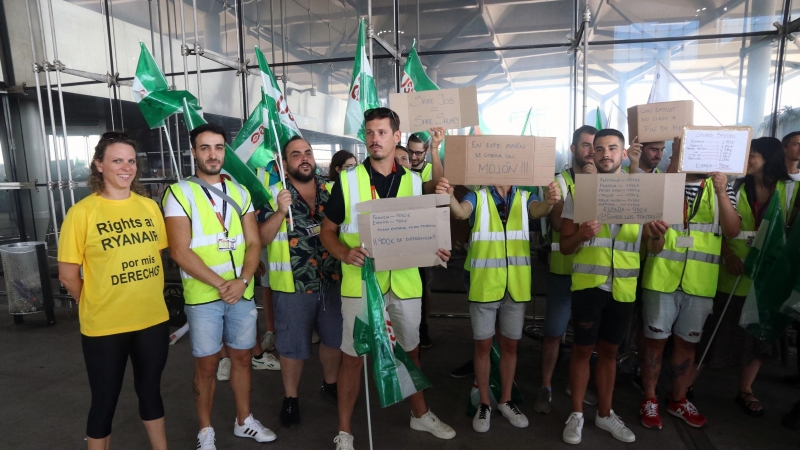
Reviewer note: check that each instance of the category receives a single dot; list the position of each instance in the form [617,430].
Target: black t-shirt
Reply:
[385,187]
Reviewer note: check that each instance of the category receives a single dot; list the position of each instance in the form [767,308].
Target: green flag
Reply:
[598,120]
[527,127]
[250,145]
[152,94]
[234,166]
[764,264]
[787,269]
[396,375]
[363,94]
[276,104]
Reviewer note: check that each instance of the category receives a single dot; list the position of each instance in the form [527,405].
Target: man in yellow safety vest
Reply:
[604,271]
[213,237]
[379,176]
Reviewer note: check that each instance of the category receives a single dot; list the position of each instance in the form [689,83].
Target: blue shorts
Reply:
[559,305]
[210,322]
[298,315]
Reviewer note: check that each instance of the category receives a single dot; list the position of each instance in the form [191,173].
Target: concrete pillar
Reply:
[759,67]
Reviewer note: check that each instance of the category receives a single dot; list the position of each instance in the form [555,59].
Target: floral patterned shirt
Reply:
[313,267]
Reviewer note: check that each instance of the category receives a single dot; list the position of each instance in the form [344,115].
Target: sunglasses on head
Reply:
[384,113]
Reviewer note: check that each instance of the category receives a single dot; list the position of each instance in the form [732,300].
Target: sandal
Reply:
[748,405]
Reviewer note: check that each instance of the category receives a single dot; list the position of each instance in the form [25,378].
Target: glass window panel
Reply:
[655,19]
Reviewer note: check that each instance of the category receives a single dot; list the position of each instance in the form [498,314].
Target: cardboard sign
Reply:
[623,198]
[500,160]
[405,232]
[715,149]
[659,121]
[446,108]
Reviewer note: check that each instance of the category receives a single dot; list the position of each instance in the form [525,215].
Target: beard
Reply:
[300,176]
[614,169]
[201,166]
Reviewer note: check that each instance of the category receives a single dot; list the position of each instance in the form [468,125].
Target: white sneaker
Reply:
[574,429]
[482,420]
[254,430]
[267,361]
[224,369]
[344,441]
[430,423]
[314,337]
[510,411]
[614,425]
[268,341]
[205,439]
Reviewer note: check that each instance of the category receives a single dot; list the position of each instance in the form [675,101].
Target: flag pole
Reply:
[280,170]
[172,153]
[369,414]
[721,316]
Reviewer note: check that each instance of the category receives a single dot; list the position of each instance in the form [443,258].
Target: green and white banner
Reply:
[363,94]
[396,375]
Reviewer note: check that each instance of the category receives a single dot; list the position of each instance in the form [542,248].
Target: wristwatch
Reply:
[244,281]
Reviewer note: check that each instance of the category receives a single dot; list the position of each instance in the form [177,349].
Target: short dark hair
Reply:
[212,127]
[788,138]
[286,145]
[417,140]
[605,132]
[400,147]
[576,136]
[383,113]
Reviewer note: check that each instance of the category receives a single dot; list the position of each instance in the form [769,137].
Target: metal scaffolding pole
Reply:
[153,49]
[185,53]
[58,66]
[587,18]
[242,72]
[370,32]
[46,66]
[45,147]
[197,55]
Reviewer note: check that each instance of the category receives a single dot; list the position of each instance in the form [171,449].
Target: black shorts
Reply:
[596,315]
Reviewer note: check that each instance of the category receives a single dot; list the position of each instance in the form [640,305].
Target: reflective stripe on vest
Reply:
[356,188]
[695,270]
[561,264]
[499,260]
[602,256]
[281,277]
[206,231]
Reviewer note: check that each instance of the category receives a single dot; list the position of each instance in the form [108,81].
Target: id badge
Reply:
[314,230]
[684,242]
[224,244]
[750,241]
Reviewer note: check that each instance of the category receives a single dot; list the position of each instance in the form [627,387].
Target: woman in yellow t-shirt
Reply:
[116,235]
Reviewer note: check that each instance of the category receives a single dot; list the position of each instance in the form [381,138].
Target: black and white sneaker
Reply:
[253,429]
[206,439]
[483,418]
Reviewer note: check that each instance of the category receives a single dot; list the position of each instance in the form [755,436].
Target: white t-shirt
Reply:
[569,212]
[795,176]
[174,209]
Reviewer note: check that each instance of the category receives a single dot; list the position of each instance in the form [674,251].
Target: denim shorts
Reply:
[297,315]
[676,313]
[210,322]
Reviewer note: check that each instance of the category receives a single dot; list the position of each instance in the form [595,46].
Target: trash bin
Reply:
[27,276]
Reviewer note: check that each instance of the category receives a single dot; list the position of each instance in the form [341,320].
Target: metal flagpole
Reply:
[172,153]
[280,170]
[366,389]
[721,316]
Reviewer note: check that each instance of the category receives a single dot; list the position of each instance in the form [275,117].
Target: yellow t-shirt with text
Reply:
[118,243]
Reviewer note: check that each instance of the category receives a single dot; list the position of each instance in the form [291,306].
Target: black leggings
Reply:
[106,358]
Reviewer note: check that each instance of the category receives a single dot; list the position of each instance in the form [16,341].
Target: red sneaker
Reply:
[649,413]
[686,411]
